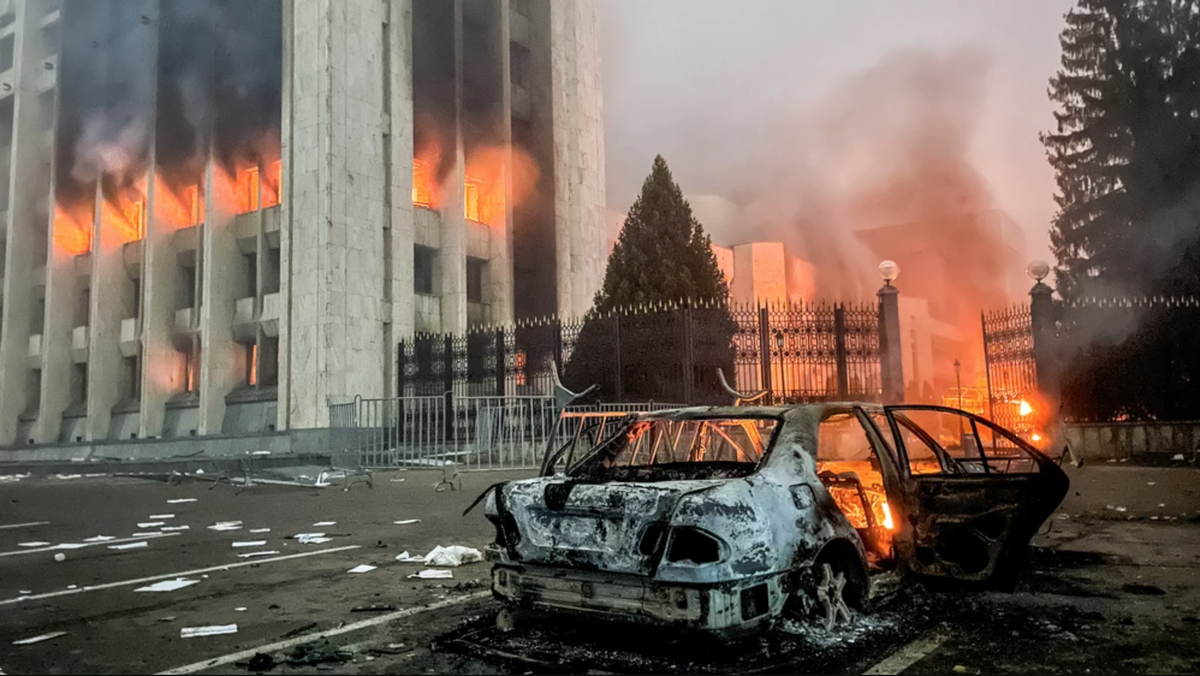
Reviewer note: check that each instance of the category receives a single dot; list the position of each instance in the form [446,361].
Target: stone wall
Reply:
[1104,441]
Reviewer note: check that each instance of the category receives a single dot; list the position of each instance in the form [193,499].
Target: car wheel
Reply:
[825,593]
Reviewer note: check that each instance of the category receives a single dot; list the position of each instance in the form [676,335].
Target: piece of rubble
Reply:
[433,574]
[101,538]
[178,501]
[161,516]
[312,654]
[130,545]
[405,522]
[250,543]
[168,529]
[168,585]
[33,544]
[323,524]
[151,524]
[452,556]
[1177,456]
[40,638]
[361,568]
[226,525]
[405,557]
[373,608]
[250,555]
[310,538]
[260,530]
[211,630]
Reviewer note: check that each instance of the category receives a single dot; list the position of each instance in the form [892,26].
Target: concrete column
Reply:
[1041,316]
[401,214]
[500,259]
[891,352]
[163,367]
[581,244]
[333,205]
[287,153]
[28,184]
[222,279]
[104,322]
[453,255]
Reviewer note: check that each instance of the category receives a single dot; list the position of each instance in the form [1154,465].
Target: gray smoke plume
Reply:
[179,75]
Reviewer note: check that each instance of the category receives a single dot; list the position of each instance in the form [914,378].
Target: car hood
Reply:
[593,526]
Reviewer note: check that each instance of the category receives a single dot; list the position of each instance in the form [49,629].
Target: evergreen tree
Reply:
[662,257]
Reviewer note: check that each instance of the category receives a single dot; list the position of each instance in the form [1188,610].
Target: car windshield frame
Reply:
[620,437]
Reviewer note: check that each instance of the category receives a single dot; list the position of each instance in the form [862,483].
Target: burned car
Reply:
[727,519]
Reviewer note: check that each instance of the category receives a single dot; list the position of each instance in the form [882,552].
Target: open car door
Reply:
[975,493]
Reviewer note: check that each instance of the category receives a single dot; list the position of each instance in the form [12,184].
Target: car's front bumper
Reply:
[729,606]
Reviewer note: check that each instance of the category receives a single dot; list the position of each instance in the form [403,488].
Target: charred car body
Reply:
[725,519]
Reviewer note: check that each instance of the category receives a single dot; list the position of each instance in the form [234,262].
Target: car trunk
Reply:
[594,526]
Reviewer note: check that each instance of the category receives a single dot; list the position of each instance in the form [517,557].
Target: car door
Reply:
[975,493]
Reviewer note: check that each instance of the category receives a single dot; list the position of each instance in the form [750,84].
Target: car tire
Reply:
[828,591]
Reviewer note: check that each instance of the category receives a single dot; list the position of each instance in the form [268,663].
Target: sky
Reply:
[690,79]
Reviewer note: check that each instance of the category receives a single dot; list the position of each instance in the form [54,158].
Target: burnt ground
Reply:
[1113,587]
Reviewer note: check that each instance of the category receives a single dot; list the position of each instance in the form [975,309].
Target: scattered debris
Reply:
[362,568]
[39,639]
[250,543]
[211,630]
[161,516]
[310,538]
[151,524]
[144,534]
[240,609]
[178,501]
[390,649]
[168,618]
[396,481]
[380,544]
[226,525]
[168,585]
[1143,589]
[452,556]
[433,574]
[322,524]
[72,545]
[67,476]
[131,545]
[250,555]
[1177,456]
[260,453]
[261,662]
[260,530]
[374,608]
[167,529]
[314,653]
[408,558]
[102,538]
[300,630]
[1150,483]
[406,522]
[33,544]
[60,557]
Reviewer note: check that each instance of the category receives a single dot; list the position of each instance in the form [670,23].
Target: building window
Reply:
[518,64]
[187,287]
[423,269]
[132,385]
[252,365]
[471,199]
[79,383]
[82,310]
[475,271]
[251,274]
[268,359]
[271,274]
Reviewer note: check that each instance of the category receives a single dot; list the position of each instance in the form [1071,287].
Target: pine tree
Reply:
[662,257]
[662,254]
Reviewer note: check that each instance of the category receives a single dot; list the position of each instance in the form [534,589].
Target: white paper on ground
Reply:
[33,544]
[260,530]
[151,524]
[213,630]
[178,501]
[396,481]
[68,476]
[130,545]
[101,538]
[405,522]
[39,639]
[310,538]
[73,545]
[240,609]
[261,453]
[364,568]
[144,534]
[249,555]
[315,541]
[250,543]
[167,529]
[453,556]
[433,574]
[168,585]
[162,516]
[226,525]
[408,558]
[321,524]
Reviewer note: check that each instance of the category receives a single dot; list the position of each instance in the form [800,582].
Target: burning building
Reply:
[221,217]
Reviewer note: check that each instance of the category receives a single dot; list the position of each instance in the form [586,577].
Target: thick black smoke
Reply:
[175,74]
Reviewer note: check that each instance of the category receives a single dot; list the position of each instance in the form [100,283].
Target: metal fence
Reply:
[466,433]
[796,352]
[1009,359]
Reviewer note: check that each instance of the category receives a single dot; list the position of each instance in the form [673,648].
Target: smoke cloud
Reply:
[178,75]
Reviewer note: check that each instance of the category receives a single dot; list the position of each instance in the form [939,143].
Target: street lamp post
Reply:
[958,385]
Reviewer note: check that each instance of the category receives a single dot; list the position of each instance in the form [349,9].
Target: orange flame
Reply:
[237,193]
[181,210]
[1025,408]
[272,183]
[484,191]
[72,229]
[123,218]
[426,191]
